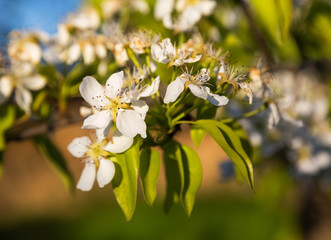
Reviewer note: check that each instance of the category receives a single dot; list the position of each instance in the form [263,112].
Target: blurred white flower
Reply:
[24,46]
[22,78]
[85,18]
[190,12]
[111,7]
[165,52]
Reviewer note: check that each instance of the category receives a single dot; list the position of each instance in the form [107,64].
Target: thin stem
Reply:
[183,114]
[185,122]
[248,114]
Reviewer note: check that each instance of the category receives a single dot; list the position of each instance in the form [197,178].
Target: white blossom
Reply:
[165,52]
[97,166]
[114,104]
[196,84]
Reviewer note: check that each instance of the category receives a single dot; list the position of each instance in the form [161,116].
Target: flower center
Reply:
[96,150]
[114,104]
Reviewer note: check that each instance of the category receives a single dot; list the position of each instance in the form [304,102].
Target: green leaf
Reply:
[206,111]
[197,134]
[192,177]
[274,16]
[230,142]
[174,173]
[149,169]
[7,119]
[235,126]
[284,13]
[125,179]
[56,160]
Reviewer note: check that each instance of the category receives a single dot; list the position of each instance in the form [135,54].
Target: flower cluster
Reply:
[136,88]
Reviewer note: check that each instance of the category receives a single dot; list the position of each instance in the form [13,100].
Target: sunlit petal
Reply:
[23,98]
[119,143]
[130,123]
[105,172]
[79,146]
[35,82]
[92,92]
[97,120]
[87,177]
[114,84]
[152,89]
[174,89]
[198,91]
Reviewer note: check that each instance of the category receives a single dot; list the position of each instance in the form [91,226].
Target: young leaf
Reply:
[235,126]
[174,173]
[51,153]
[7,118]
[192,177]
[234,140]
[197,135]
[125,179]
[284,12]
[230,142]
[149,169]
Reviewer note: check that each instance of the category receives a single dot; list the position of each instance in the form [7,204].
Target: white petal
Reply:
[101,51]
[106,172]
[73,54]
[88,54]
[167,45]
[140,106]
[162,8]
[87,177]
[192,60]
[6,87]
[102,133]
[92,92]
[130,123]
[114,84]
[152,89]
[35,82]
[206,7]
[217,100]
[23,98]
[274,117]
[85,111]
[97,120]
[174,89]
[158,53]
[79,146]
[119,143]
[198,91]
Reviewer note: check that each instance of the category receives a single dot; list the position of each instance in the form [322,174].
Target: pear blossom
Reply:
[142,40]
[85,18]
[111,7]
[88,45]
[25,47]
[115,103]
[165,52]
[97,166]
[196,84]
[21,79]
[190,12]
[234,76]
